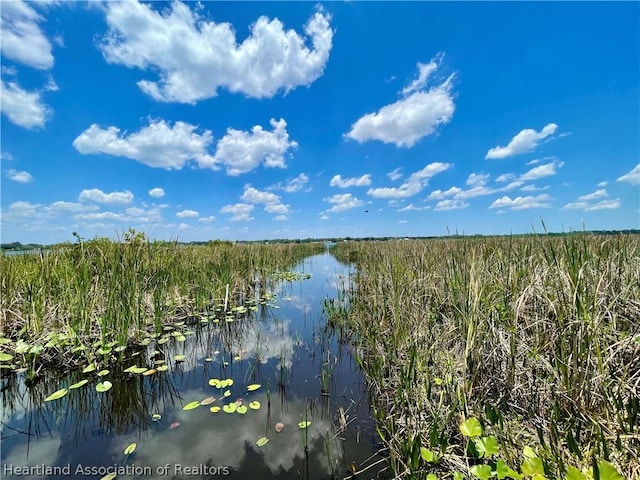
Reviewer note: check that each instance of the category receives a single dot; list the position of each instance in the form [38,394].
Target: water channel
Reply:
[304,375]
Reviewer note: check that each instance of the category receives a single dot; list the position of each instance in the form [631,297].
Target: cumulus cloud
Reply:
[187,214]
[243,151]
[521,203]
[156,192]
[271,201]
[194,57]
[413,185]
[240,212]
[343,201]
[98,196]
[417,114]
[162,145]
[477,179]
[412,208]
[25,109]
[450,204]
[525,141]
[597,200]
[22,39]
[208,219]
[338,181]
[541,171]
[20,177]
[158,145]
[632,177]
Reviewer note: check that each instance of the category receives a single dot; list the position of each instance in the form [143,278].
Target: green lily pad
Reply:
[242,409]
[179,358]
[56,395]
[227,393]
[135,369]
[262,441]
[229,408]
[255,405]
[155,417]
[103,386]
[102,373]
[162,368]
[471,427]
[253,386]
[191,405]
[79,384]
[304,424]
[130,449]
[215,409]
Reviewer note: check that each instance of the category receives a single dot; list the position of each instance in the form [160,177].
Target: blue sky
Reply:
[267,120]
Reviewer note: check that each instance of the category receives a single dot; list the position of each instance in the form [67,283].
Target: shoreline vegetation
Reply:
[504,357]
[88,301]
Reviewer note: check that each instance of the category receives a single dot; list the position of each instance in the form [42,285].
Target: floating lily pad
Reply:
[130,449]
[214,382]
[191,405]
[304,424]
[163,340]
[253,386]
[208,359]
[56,395]
[242,409]
[179,358]
[104,386]
[102,373]
[5,357]
[262,441]
[155,417]
[229,408]
[180,338]
[227,393]
[208,401]
[134,369]
[79,384]
[214,409]
[149,372]
[163,368]
[254,405]
[89,368]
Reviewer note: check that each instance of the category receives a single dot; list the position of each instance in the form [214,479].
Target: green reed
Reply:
[537,336]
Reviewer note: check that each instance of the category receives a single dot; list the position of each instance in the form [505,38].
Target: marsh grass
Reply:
[57,307]
[537,336]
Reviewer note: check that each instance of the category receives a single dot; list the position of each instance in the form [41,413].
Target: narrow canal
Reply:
[249,383]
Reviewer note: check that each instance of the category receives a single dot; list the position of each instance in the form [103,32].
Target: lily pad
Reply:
[130,449]
[155,417]
[180,338]
[242,409]
[214,409]
[102,373]
[149,372]
[227,393]
[179,358]
[254,405]
[253,386]
[262,441]
[214,382]
[208,401]
[89,368]
[191,405]
[229,408]
[134,369]
[208,359]
[163,368]
[79,384]
[56,395]
[104,386]
[304,424]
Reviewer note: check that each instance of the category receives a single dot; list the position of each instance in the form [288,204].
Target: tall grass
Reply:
[538,337]
[120,291]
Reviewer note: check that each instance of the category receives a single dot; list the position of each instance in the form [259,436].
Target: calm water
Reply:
[285,348]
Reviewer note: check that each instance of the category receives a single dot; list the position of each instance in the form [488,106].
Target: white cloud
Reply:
[418,114]
[324,216]
[603,184]
[101,216]
[521,203]
[412,208]
[632,177]
[413,185]
[23,207]
[280,218]
[291,186]
[243,151]
[525,141]
[22,107]
[20,177]
[22,40]
[533,162]
[533,188]
[98,196]
[271,201]
[395,175]
[338,181]
[208,219]
[194,57]
[240,211]
[450,204]
[478,179]
[158,145]
[156,192]
[343,201]
[588,203]
[187,214]
[6,156]
[439,194]
[541,171]
[62,206]
[505,177]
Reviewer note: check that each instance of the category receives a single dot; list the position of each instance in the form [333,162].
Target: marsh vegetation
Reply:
[500,357]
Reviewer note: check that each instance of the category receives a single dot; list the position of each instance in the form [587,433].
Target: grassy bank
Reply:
[536,338]
[80,299]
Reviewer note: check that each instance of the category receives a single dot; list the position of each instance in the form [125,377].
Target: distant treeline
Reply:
[632,231]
